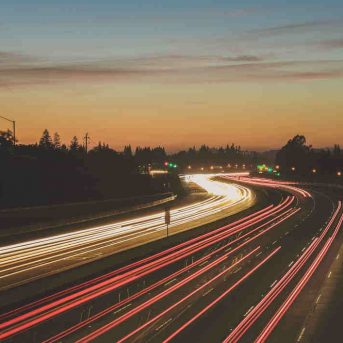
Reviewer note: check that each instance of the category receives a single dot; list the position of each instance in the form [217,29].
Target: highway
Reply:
[26,261]
[232,283]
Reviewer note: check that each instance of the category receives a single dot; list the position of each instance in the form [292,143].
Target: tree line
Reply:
[51,172]
[299,158]
[211,156]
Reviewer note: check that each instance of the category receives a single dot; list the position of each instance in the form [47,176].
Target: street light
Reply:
[293,168]
[314,171]
[13,123]
[339,173]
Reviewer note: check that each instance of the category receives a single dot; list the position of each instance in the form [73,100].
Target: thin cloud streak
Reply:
[172,68]
[296,28]
[331,44]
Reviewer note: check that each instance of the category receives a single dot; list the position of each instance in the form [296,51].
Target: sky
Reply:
[173,73]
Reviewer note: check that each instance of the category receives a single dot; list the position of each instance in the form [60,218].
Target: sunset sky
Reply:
[173,73]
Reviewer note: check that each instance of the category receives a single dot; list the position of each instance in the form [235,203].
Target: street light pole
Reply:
[13,123]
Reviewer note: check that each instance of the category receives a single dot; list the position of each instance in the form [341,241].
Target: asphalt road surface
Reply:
[248,280]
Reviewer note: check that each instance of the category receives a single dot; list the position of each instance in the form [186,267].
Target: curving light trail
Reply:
[214,245]
[276,290]
[299,287]
[286,185]
[64,301]
[32,256]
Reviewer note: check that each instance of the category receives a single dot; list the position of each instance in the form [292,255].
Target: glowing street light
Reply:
[339,173]
[189,167]
[202,168]
[314,170]
[212,167]
[277,167]
[293,168]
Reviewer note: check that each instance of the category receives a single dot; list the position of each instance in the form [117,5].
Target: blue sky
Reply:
[70,29]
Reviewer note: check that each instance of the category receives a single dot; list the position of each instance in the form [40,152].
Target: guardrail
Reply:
[83,203]
[81,219]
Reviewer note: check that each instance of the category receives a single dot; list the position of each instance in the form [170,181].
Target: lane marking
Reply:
[164,324]
[273,283]
[169,282]
[246,313]
[207,292]
[122,308]
[301,334]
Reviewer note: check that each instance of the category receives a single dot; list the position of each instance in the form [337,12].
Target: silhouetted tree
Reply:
[6,139]
[337,150]
[45,141]
[74,145]
[127,151]
[57,141]
[295,154]
[304,159]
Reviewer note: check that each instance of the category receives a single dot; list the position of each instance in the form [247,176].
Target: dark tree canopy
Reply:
[45,141]
[300,159]
[49,172]
[6,139]
[57,141]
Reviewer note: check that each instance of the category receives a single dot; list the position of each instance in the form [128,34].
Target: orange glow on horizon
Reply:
[177,116]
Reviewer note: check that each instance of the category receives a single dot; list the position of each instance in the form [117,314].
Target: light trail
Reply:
[135,311]
[218,299]
[236,284]
[271,183]
[284,216]
[163,294]
[81,246]
[258,310]
[247,220]
[300,285]
[23,321]
[259,215]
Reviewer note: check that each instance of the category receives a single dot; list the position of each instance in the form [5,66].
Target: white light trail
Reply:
[82,245]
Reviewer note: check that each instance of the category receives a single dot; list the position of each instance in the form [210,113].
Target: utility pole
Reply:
[13,124]
[86,138]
